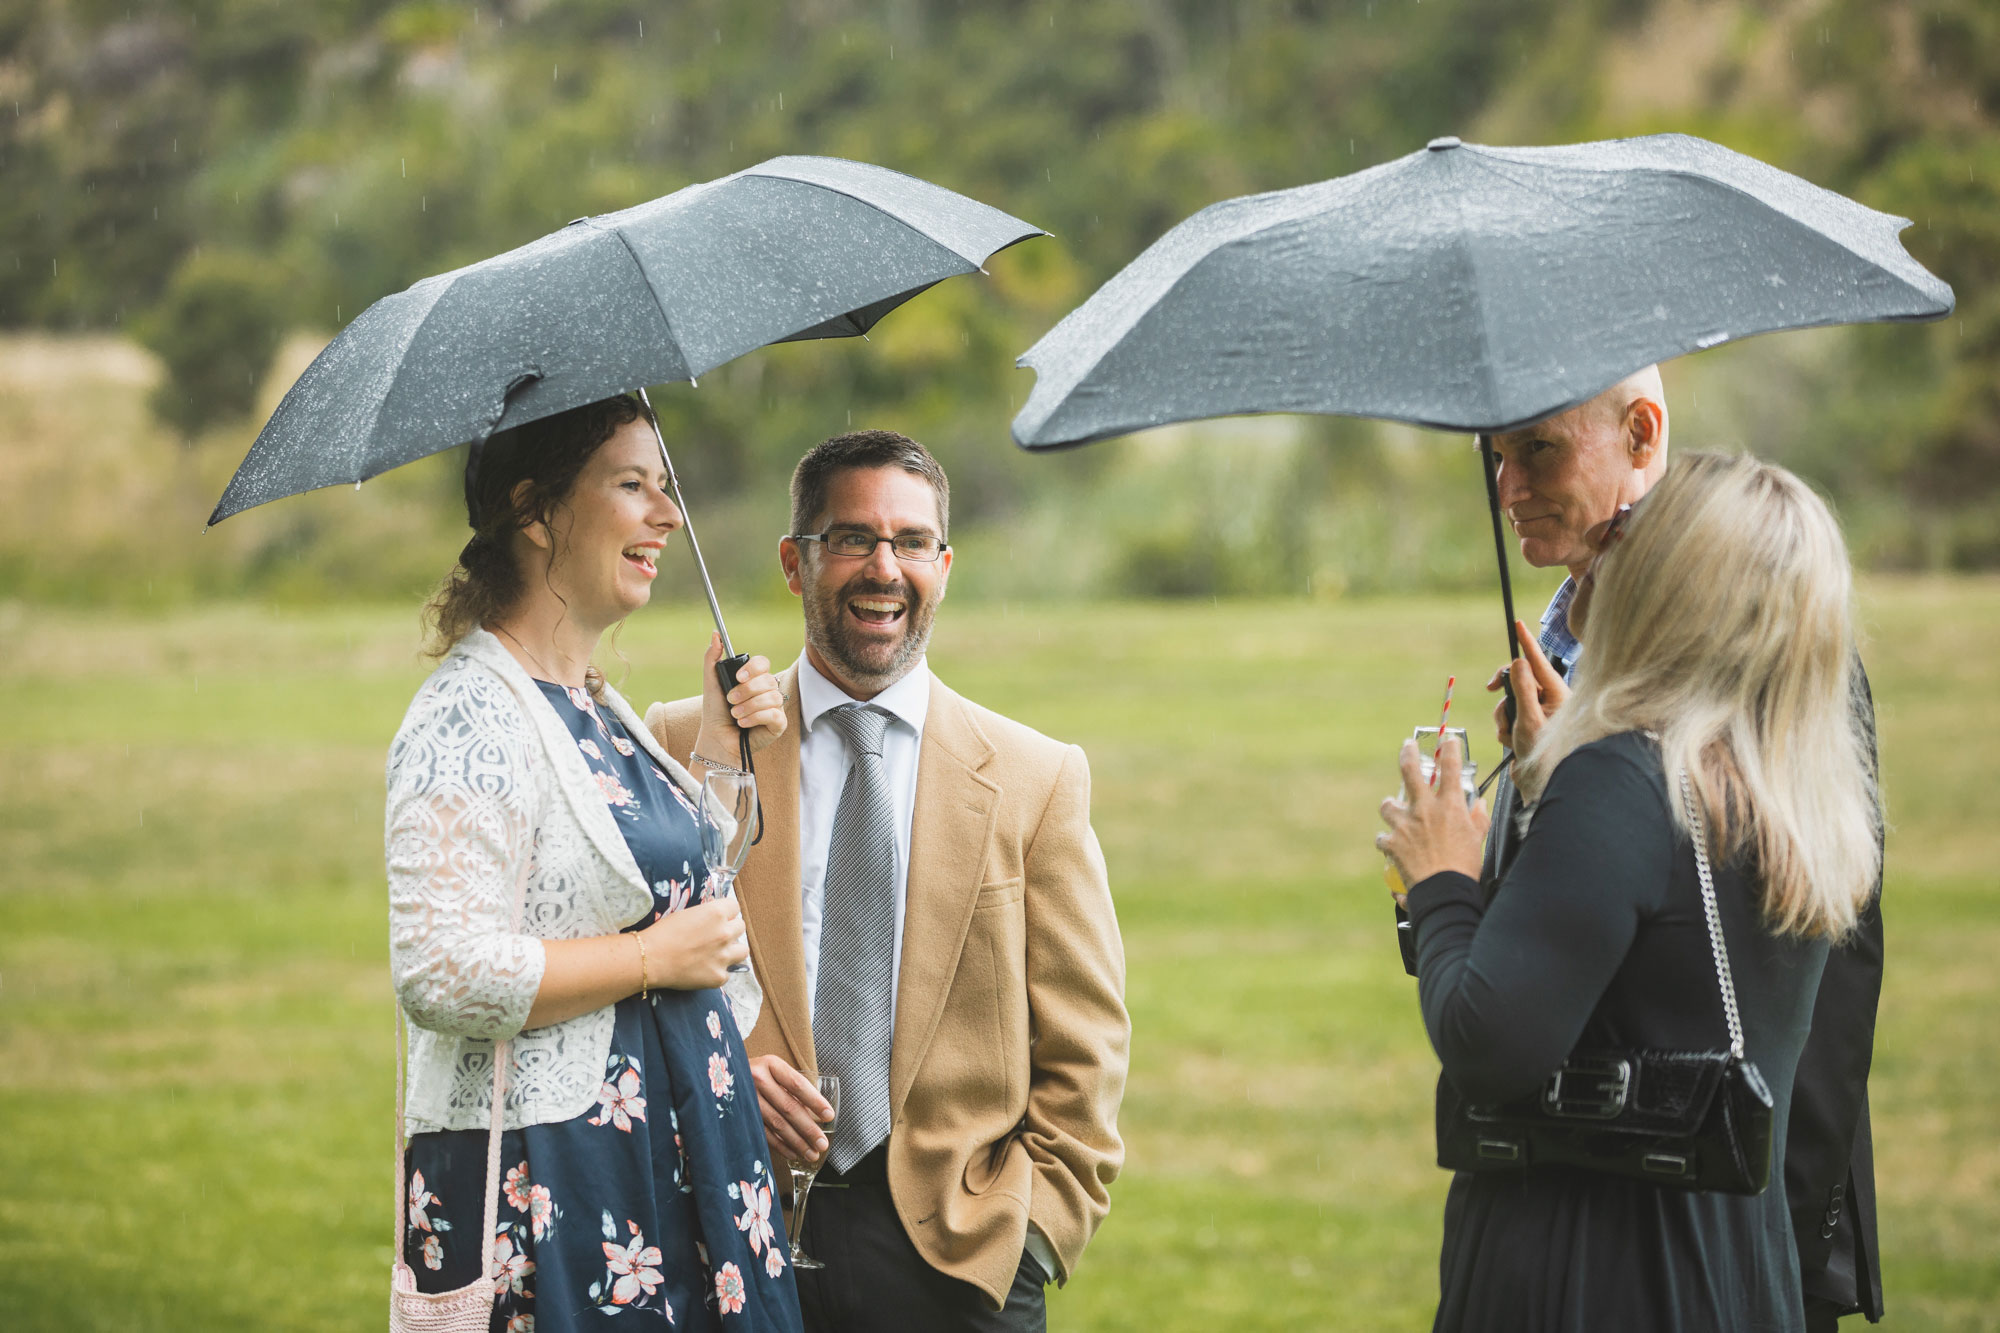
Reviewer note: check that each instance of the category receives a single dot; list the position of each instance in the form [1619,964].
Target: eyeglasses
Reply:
[855,544]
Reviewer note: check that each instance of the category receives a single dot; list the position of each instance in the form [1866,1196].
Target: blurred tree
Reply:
[358,145]
[216,330]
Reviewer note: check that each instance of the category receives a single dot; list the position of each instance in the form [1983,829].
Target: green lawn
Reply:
[195,1021]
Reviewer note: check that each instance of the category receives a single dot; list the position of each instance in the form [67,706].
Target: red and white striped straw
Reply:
[1443,713]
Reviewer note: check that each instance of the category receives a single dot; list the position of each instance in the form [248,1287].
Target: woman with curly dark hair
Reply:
[549,915]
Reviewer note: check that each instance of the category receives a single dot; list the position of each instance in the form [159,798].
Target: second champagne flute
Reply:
[803,1175]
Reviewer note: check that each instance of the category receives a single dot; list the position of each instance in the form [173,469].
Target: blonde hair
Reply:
[1722,622]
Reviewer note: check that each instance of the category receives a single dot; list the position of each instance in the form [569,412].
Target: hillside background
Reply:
[195,1025]
[194,196]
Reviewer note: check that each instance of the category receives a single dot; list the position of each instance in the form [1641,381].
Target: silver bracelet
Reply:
[716,764]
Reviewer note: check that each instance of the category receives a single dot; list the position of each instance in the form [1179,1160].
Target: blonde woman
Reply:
[1719,642]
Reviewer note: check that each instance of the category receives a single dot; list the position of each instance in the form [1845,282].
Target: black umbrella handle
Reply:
[727,672]
[1490,465]
[730,671]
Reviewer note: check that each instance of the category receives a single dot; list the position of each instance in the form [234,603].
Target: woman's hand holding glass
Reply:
[695,948]
[756,706]
[1433,829]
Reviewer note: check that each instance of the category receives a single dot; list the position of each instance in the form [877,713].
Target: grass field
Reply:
[195,1021]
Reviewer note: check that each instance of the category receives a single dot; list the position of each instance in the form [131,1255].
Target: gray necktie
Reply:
[852,1023]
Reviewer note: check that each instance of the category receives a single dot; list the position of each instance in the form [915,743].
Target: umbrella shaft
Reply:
[1490,466]
[708,587]
[687,524]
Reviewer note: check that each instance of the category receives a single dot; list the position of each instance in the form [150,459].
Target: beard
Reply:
[866,661]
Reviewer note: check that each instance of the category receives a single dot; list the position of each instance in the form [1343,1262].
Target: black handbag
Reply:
[1696,1120]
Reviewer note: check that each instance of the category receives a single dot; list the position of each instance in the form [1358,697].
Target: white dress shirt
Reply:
[822,774]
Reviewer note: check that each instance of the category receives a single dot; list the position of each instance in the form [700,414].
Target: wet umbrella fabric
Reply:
[1466,288]
[796,247]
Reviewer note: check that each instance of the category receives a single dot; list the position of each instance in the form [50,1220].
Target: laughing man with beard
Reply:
[929,916]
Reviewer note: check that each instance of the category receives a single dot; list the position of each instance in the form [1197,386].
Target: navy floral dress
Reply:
[657,1204]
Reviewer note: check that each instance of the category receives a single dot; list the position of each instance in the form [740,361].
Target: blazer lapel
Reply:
[768,886]
[949,832]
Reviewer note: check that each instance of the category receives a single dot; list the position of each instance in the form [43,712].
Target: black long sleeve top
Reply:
[1597,934]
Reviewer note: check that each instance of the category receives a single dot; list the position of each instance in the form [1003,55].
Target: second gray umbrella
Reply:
[1466,288]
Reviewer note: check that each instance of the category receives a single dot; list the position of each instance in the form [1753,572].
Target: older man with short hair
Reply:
[1560,482]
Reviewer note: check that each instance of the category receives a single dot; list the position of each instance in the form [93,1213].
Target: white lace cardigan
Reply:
[482,774]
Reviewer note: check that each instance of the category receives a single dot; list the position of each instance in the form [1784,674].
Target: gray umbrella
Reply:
[796,247]
[1466,288]
[793,248]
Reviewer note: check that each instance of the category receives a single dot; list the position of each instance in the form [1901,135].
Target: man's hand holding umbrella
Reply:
[1535,706]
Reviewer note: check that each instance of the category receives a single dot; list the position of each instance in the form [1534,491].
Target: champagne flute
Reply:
[803,1175]
[729,817]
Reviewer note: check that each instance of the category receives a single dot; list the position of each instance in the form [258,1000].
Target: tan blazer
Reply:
[1008,1060]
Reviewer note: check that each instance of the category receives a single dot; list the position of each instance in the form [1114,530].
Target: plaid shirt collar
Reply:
[1558,644]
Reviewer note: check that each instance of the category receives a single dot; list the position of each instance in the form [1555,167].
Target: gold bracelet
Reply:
[717,765]
[645,981]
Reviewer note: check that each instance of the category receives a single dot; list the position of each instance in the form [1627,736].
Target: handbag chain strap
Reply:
[1714,915]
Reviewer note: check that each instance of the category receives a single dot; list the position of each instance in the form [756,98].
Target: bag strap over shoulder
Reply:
[1724,978]
[501,1060]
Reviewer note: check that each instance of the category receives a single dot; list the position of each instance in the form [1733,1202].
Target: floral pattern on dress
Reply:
[589,747]
[623,746]
[542,1212]
[524,1196]
[511,1264]
[729,1292]
[673,894]
[618,1099]
[755,1223]
[714,1025]
[615,793]
[420,1201]
[686,801]
[515,1187]
[720,1081]
[632,1270]
[683,1179]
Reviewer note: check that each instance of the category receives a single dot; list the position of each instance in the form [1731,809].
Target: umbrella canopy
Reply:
[1466,288]
[796,247]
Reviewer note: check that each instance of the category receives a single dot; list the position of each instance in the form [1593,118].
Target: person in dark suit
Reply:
[1561,481]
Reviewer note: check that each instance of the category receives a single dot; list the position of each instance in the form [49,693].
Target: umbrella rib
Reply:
[1489,165]
[1894,225]
[912,228]
[1469,256]
[894,216]
[659,303]
[359,450]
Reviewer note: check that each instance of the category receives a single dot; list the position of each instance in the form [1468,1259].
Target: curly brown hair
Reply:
[548,455]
